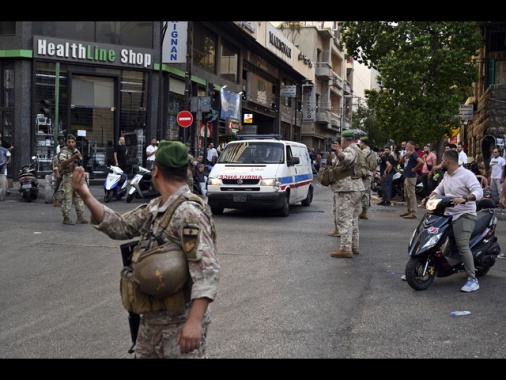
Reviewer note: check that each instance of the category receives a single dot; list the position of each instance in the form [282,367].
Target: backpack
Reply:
[149,282]
[360,169]
[371,161]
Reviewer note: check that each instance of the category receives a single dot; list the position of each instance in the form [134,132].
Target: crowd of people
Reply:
[449,177]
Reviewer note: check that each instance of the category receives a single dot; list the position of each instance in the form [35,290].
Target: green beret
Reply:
[347,134]
[172,154]
[71,137]
[365,138]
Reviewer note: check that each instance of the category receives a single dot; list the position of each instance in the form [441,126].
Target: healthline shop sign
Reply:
[96,53]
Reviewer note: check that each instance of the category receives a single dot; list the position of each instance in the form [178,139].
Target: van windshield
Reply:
[248,152]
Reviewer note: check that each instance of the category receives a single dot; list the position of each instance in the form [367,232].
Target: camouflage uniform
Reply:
[69,195]
[348,194]
[191,166]
[158,331]
[366,196]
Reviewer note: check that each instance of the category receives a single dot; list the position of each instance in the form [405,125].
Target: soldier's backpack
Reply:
[371,161]
[360,169]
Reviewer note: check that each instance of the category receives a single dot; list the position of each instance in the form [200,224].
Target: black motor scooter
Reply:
[432,249]
[28,182]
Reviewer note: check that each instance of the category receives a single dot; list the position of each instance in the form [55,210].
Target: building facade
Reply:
[100,80]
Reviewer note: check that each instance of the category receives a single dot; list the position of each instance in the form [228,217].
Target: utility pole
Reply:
[188,80]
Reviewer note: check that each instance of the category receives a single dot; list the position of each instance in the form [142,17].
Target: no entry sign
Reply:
[184,119]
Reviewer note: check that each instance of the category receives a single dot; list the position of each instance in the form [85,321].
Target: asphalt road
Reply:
[281,295]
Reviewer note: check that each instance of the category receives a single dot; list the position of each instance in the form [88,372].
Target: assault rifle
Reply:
[134,319]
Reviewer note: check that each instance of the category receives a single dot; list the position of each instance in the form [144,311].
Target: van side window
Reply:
[289,153]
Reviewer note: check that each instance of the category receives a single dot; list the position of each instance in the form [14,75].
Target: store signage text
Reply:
[92,53]
[280,45]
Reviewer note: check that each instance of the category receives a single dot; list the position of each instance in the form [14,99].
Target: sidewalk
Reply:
[96,186]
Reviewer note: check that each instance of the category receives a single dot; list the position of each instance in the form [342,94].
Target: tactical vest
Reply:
[359,169]
[159,267]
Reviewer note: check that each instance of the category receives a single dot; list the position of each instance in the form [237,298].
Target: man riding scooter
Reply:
[462,185]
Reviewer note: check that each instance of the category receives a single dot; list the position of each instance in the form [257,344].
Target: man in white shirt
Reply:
[462,155]
[496,168]
[150,153]
[211,152]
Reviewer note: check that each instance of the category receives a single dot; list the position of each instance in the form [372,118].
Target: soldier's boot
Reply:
[342,253]
[81,220]
[66,220]
[355,250]
[363,214]
[334,233]
[56,203]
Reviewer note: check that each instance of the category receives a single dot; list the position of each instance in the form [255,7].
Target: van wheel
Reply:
[285,209]
[216,211]
[306,202]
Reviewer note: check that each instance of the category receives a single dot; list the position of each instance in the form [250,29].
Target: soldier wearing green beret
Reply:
[347,196]
[69,158]
[372,162]
[168,330]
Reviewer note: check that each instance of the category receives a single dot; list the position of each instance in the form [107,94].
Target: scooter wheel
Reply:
[108,196]
[129,198]
[419,273]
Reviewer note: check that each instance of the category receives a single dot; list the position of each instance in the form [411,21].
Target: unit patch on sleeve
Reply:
[191,240]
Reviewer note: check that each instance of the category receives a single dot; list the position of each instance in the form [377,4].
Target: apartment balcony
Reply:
[323,71]
[346,87]
[323,117]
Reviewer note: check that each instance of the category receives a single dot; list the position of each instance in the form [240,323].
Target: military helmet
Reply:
[161,272]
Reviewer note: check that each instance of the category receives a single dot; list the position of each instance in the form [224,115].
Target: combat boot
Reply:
[81,220]
[334,233]
[341,253]
[363,215]
[66,220]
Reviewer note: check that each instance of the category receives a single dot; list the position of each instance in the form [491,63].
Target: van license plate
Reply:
[239,197]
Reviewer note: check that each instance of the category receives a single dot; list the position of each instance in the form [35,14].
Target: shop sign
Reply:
[91,52]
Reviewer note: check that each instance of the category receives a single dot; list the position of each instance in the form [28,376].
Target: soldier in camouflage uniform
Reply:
[163,334]
[335,231]
[70,157]
[366,197]
[348,195]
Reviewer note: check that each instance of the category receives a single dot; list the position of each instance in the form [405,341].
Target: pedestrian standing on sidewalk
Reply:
[151,154]
[412,162]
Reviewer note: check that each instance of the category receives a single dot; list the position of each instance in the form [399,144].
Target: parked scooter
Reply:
[432,248]
[28,182]
[115,185]
[141,186]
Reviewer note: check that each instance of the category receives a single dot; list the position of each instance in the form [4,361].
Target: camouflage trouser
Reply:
[366,196]
[158,341]
[350,204]
[334,210]
[70,197]
[57,186]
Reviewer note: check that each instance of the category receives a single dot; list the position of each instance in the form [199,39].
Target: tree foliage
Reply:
[426,72]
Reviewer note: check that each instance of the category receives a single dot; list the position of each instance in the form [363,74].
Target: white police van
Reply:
[261,172]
